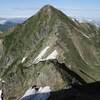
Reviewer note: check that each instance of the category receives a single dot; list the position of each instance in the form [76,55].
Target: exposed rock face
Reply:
[31,49]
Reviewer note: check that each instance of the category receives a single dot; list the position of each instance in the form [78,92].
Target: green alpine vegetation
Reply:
[63,41]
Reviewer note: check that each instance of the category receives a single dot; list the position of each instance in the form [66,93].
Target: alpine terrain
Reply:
[51,49]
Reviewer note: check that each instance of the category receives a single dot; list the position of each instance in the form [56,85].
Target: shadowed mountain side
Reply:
[38,96]
[84,92]
[73,75]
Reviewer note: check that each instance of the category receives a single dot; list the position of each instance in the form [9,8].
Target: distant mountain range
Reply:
[94,21]
[7,23]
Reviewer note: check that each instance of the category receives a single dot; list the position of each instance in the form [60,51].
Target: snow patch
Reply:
[42,94]
[42,53]
[29,92]
[23,59]
[0,94]
[39,58]
[45,89]
[53,55]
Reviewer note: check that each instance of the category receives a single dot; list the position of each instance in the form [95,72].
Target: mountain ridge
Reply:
[51,29]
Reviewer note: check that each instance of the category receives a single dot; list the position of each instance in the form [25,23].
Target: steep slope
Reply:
[49,35]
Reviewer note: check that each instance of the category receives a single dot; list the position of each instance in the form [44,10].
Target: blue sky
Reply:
[74,8]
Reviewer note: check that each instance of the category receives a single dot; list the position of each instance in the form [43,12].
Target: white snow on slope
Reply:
[45,89]
[43,93]
[0,94]
[39,58]
[23,59]
[53,55]
[42,53]
[29,92]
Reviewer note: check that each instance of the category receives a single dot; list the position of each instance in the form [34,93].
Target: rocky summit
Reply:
[51,49]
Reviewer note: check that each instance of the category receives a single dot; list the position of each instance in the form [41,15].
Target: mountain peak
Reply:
[46,50]
[48,8]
